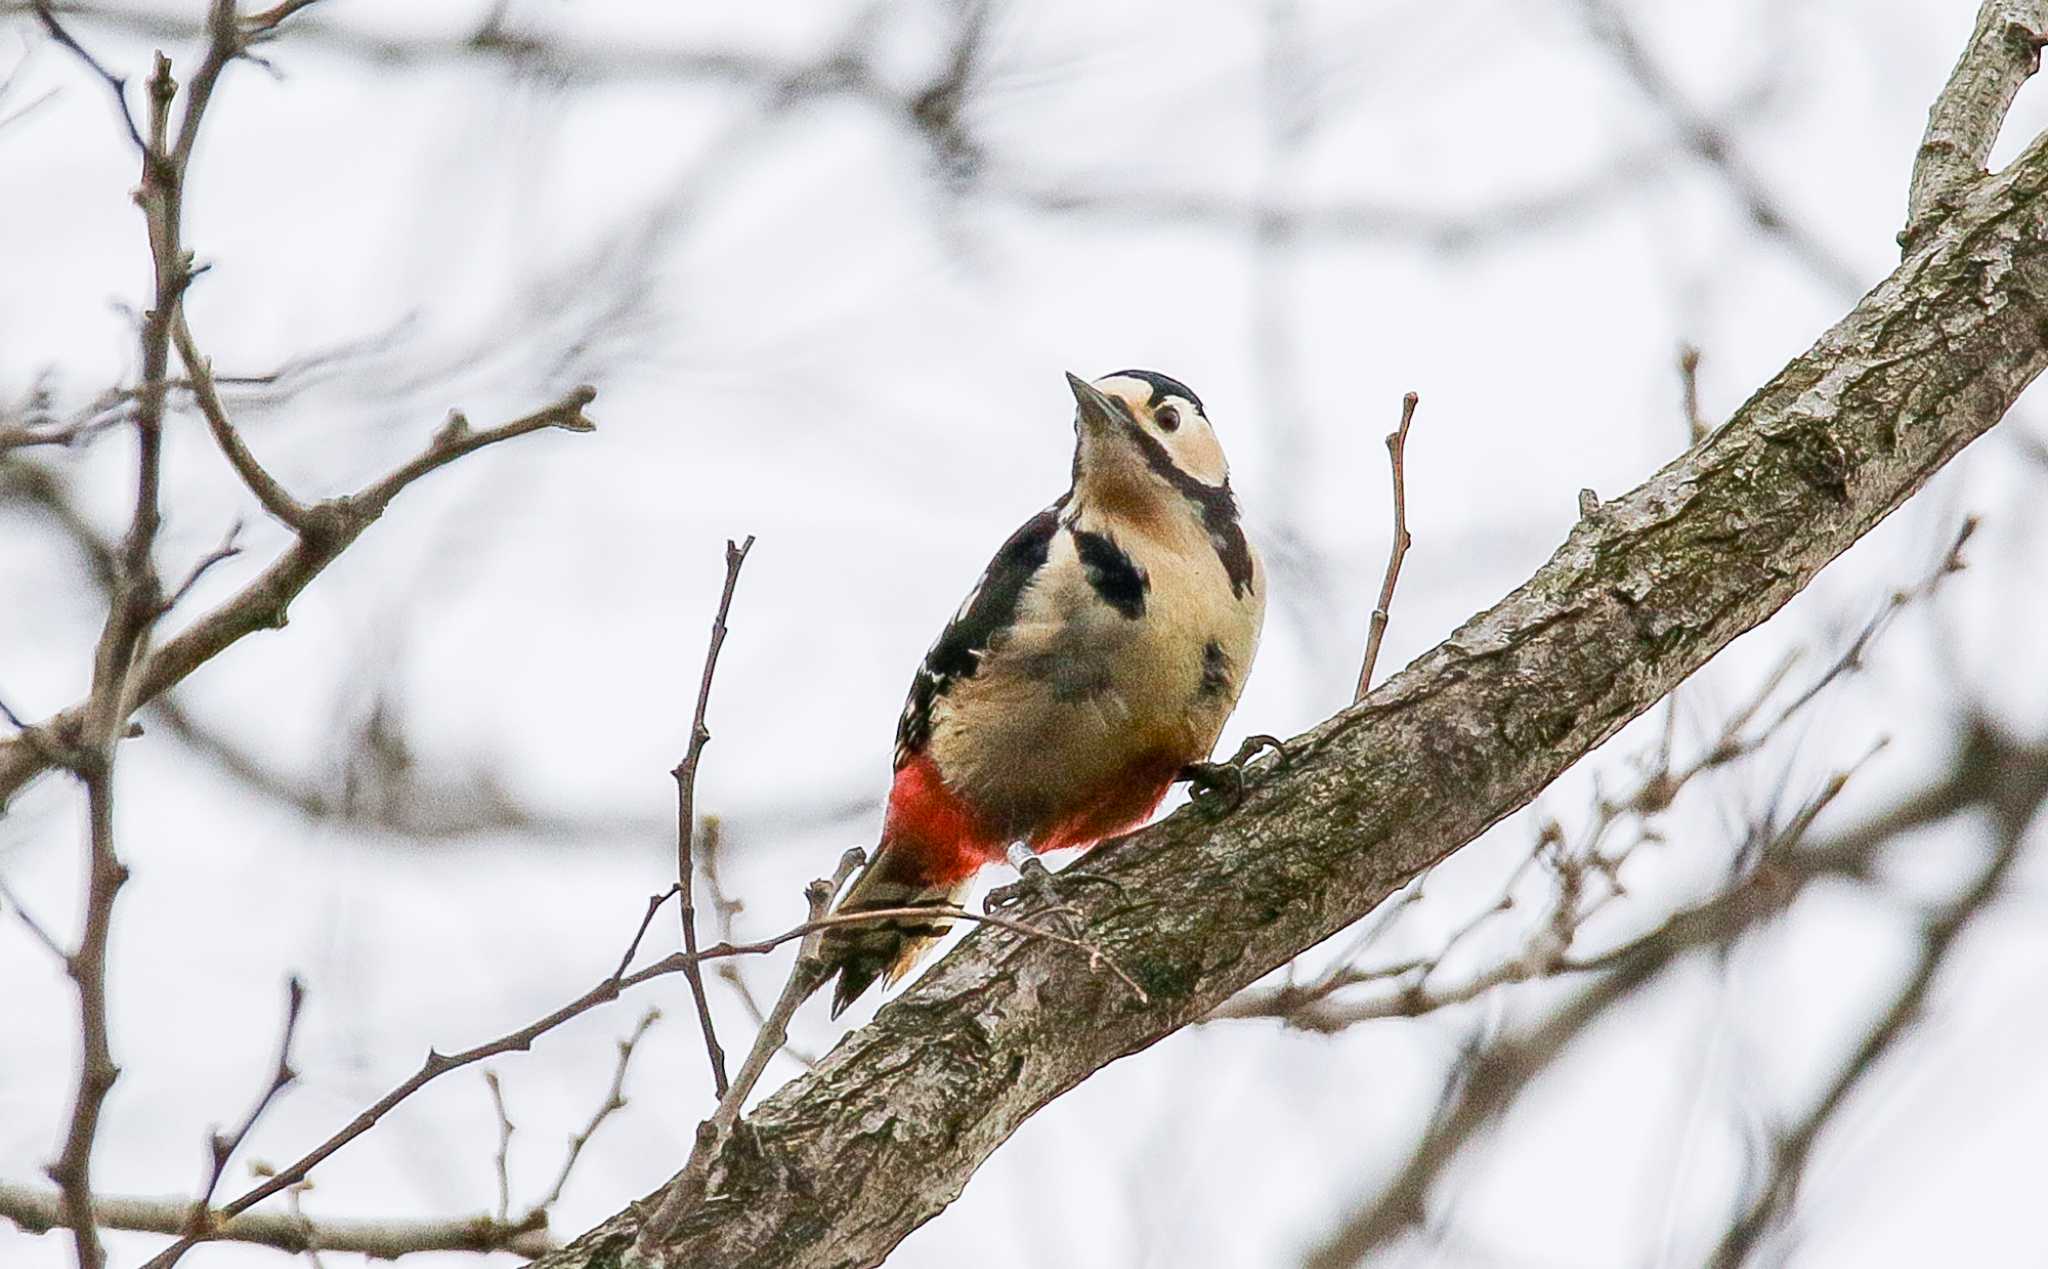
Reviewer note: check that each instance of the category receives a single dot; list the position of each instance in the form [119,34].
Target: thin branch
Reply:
[115,83]
[1773,1200]
[1397,450]
[614,1100]
[1689,393]
[72,1169]
[503,1158]
[221,1149]
[1544,954]
[263,602]
[685,775]
[1963,124]
[228,549]
[727,909]
[1501,1071]
[455,439]
[272,495]
[133,606]
[35,927]
[1986,770]
[805,976]
[37,1211]
[654,903]
[60,435]
[294,1201]
[1312,1005]
[486,43]
[1711,143]
[609,989]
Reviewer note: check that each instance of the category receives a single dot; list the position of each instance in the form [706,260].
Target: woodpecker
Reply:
[1092,666]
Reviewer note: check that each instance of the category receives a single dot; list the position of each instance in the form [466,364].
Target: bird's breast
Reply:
[1128,653]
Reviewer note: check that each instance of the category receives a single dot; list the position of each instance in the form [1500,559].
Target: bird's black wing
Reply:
[990,608]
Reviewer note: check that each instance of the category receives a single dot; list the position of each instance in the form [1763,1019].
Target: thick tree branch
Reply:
[893,1122]
[1963,124]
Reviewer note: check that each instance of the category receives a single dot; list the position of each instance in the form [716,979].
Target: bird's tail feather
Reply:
[890,947]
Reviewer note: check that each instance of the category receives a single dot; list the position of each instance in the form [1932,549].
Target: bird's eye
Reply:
[1168,418]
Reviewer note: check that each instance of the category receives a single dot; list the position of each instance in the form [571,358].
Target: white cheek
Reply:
[1197,453]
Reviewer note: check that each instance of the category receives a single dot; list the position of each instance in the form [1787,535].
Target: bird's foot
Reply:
[1218,787]
[1038,893]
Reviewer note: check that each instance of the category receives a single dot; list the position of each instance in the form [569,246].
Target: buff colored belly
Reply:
[1077,724]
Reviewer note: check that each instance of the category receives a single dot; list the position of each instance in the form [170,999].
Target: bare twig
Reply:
[685,775]
[263,602]
[1963,124]
[72,1169]
[1987,770]
[455,439]
[1689,392]
[564,59]
[2013,809]
[654,903]
[1711,143]
[200,1217]
[35,927]
[228,549]
[294,1201]
[38,1211]
[1499,1073]
[609,989]
[727,909]
[1397,450]
[220,1148]
[1952,562]
[115,83]
[614,1100]
[261,483]
[65,434]
[805,976]
[503,1159]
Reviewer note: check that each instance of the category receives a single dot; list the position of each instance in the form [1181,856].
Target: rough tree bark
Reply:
[845,1161]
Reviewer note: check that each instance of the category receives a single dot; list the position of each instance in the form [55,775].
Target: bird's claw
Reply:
[1037,894]
[1220,786]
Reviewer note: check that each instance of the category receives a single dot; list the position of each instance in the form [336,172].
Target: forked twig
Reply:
[614,1100]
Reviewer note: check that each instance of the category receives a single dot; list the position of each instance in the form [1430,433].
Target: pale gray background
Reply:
[805,326]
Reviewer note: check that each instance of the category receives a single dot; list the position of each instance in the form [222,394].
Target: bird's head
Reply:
[1137,431]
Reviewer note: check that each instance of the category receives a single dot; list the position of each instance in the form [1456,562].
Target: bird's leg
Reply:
[1034,881]
[1220,786]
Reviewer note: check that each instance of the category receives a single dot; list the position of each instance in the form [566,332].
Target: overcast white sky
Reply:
[801,329]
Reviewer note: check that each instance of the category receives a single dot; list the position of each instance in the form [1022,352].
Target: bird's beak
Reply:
[1099,413]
